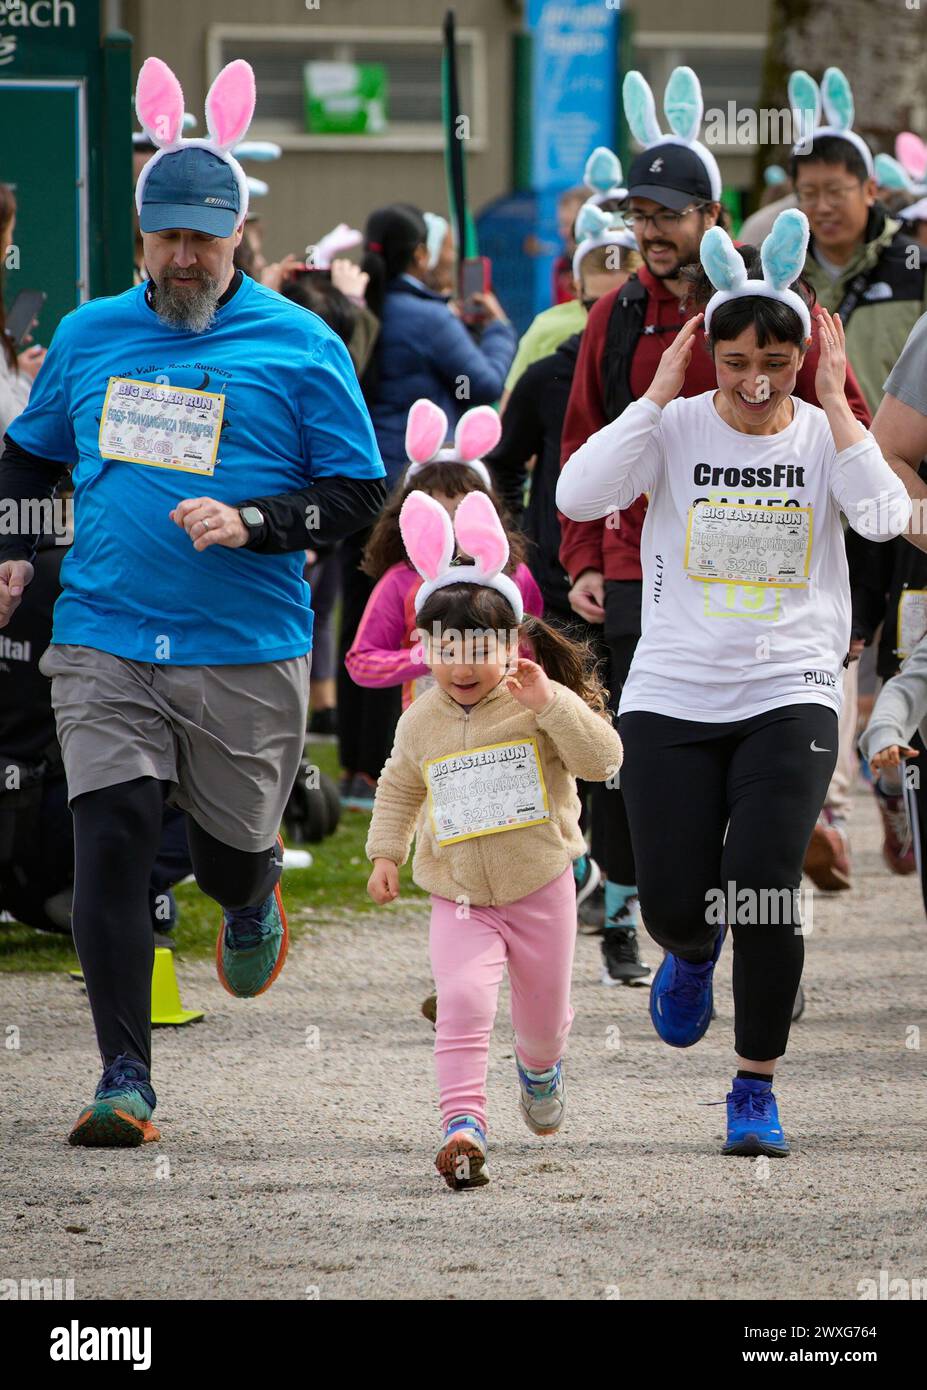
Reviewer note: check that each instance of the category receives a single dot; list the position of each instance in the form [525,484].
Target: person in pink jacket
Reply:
[383,652]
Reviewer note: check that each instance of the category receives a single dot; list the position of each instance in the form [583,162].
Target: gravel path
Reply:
[299,1131]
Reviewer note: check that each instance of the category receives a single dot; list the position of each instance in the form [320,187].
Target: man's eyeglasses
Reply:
[837,193]
[664,221]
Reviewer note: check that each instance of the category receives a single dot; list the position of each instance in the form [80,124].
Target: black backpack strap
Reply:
[625,325]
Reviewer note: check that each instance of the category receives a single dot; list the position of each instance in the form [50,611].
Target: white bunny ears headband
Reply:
[782,254]
[683,107]
[603,176]
[428,536]
[806,98]
[908,171]
[593,226]
[478,430]
[229,108]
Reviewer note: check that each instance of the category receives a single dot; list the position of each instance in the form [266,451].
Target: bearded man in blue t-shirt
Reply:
[213,431]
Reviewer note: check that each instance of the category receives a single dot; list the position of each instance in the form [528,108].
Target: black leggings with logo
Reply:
[721,816]
[117,836]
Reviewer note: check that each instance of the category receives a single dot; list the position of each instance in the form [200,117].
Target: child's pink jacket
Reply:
[380,652]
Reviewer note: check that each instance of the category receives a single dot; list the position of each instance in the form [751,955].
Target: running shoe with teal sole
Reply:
[681,998]
[461,1159]
[120,1116]
[251,949]
[753,1126]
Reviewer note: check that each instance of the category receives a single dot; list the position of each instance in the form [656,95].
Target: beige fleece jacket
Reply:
[496,868]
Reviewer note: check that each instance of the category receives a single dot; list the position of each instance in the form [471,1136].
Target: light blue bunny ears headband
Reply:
[783,257]
[806,99]
[594,226]
[683,107]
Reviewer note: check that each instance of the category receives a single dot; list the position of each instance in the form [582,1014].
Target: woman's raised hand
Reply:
[671,373]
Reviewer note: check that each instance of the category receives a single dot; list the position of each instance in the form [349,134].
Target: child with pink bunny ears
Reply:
[384,652]
[482,775]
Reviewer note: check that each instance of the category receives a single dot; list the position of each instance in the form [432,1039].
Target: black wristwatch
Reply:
[255,524]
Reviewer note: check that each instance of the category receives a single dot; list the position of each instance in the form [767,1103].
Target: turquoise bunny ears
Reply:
[603,175]
[682,106]
[783,257]
[806,99]
[596,227]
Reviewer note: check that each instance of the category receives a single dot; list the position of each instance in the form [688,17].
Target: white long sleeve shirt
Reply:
[720,651]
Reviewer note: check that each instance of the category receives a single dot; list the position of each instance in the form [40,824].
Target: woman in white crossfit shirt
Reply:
[729,713]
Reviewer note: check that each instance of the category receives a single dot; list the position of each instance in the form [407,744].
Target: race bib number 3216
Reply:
[162,426]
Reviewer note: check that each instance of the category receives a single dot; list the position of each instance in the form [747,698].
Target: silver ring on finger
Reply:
[205,523]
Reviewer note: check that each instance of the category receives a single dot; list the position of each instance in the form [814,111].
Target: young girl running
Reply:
[384,651]
[482,773]
[729,714]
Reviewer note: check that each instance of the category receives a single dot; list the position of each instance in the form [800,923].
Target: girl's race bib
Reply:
[482,791]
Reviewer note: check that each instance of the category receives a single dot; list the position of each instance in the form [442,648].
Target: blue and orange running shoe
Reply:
[252,946]
[120,1116]
[461,1159]
[753,1126]
[681,997]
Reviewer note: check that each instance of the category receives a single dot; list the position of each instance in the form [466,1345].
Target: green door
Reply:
[44,156]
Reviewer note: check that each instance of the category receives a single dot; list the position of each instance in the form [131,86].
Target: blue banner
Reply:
[574,97]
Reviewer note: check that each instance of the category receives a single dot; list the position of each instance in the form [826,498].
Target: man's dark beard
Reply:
[191,310]
[670,274]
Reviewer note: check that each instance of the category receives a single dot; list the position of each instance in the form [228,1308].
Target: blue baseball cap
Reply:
[191,189]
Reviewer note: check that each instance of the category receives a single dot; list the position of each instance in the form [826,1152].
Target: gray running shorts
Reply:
[229,738]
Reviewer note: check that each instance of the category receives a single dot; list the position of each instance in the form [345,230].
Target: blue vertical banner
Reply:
[574,99]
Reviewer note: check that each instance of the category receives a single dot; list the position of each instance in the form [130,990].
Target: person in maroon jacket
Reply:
[673,199]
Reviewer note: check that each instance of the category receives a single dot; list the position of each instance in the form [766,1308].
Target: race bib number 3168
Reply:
[162,426]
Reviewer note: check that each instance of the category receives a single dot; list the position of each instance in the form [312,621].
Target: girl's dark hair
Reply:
[7,213]
[390,238]
[385,547]
[469,607]
[772,321]
[314,290]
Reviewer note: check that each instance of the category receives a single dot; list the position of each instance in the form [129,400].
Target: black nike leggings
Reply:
[716,809]
[117,835]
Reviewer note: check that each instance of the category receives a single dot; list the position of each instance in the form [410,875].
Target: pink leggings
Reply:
[536,935]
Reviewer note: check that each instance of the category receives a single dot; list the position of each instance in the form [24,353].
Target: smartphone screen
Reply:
[24,311]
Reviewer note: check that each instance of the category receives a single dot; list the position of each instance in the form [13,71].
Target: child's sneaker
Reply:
[120,1116]
[621,959]
[753,1126]
[542,1098]
[897,845]
[461,1159]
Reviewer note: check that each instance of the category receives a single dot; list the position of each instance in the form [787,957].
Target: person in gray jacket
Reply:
[899,712]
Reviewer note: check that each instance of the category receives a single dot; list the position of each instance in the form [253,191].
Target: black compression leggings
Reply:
[117,834]
[762,780]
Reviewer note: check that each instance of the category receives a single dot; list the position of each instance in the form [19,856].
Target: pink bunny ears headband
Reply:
[478,431]
[229,108]
[428,537]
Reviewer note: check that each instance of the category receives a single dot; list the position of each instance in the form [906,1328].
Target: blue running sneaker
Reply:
[753,1126]
[681,998]
[461,1159]
[120,1114]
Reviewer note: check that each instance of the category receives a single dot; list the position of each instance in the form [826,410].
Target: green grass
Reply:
[337,881]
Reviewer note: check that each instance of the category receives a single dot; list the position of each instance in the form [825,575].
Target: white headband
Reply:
[806,99]
[783,257]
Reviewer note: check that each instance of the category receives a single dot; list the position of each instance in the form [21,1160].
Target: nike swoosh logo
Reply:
[816,749]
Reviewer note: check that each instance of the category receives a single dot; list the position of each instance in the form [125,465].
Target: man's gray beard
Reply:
[190,310]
